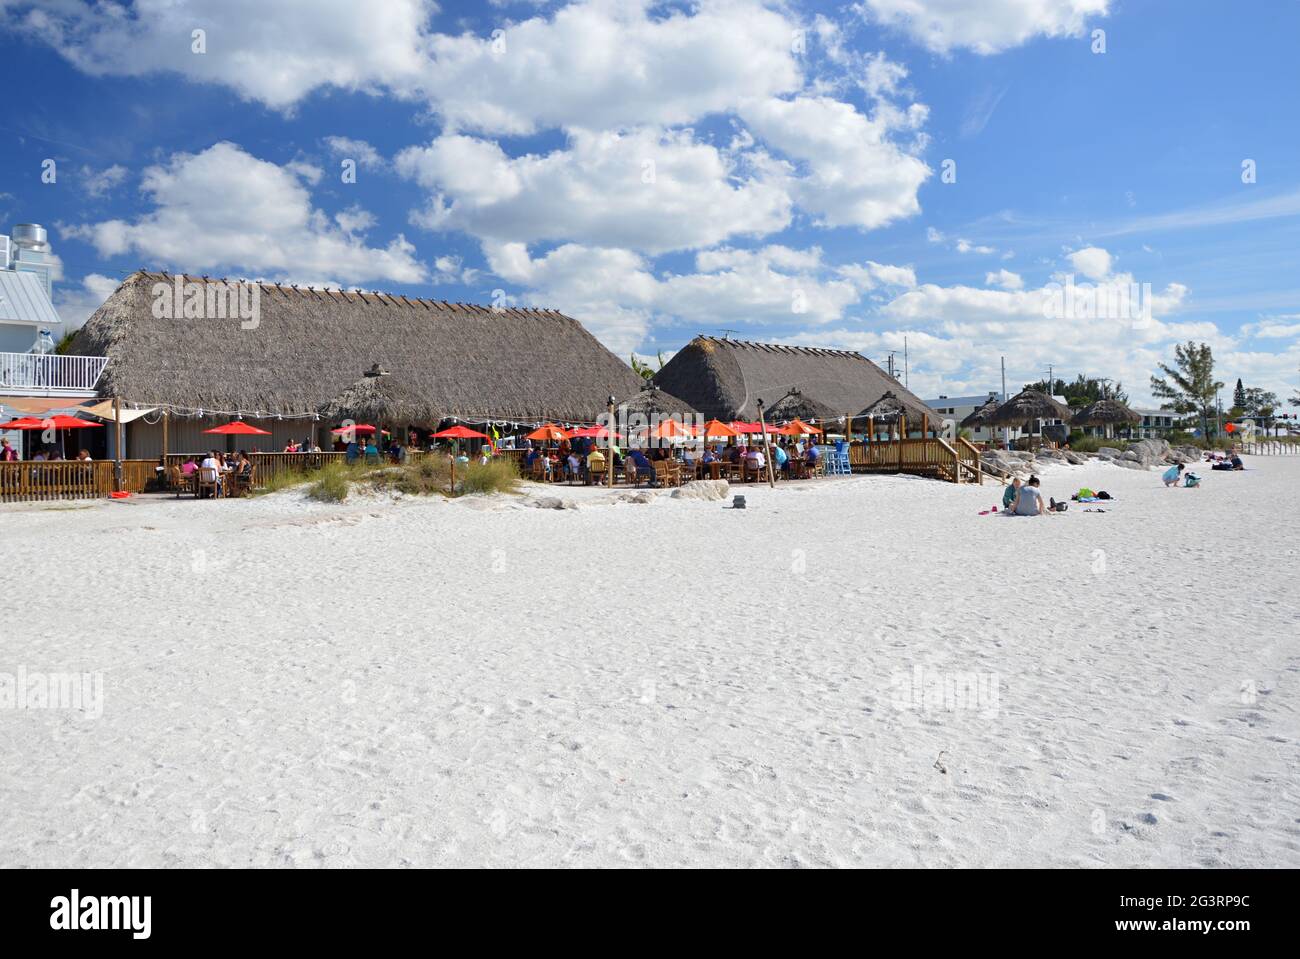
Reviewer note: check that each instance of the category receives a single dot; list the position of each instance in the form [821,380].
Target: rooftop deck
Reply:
[31,374]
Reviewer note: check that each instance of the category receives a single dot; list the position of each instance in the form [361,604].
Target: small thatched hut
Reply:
[1108,413]
[891,407]
[983,416]
[797,406]
[308,346]
[381,399]
[724,379]
[1029,405]
[651,401]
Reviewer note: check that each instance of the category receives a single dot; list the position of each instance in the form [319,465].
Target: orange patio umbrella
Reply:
[716,428]
[800,427]
[549,432]
[672,430]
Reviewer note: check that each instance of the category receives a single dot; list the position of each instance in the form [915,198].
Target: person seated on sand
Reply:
[1236,462]
[1029,501]
[1173,475]
[1009,494]
[1191,481]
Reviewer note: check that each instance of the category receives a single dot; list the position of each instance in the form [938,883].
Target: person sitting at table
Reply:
[213,462]
[643,466]
[291,446]
[595,460]
[814,454]
[372,451]
[780,458]
[83,456]
[189,468]
[755,460]
[710,455]
[7,453]
[243,465]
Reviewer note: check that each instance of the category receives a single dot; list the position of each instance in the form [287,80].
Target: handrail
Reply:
[51,374]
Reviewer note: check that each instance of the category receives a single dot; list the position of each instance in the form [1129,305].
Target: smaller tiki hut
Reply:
[895,410]
[1107,413]
[982,416]
[800,406]
[1026,407]
[651,400]
[382,400]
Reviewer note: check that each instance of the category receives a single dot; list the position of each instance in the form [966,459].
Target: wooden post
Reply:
[166,417]
[117,444]
[613,433]
[767,447]
[902,434]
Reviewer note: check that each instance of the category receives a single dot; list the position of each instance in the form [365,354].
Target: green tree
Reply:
[1084,390]
[644,370]
[1190,387]
[1239,395]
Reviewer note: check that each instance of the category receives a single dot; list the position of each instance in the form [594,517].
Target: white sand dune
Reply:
[426,683]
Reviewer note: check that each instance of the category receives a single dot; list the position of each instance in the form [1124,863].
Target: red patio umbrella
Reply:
[590,432]
[458,433]
[740,426]
[62,422]
[238,428]
[359,428]
[23,423]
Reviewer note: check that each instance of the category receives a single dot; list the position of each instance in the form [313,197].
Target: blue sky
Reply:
[660,170]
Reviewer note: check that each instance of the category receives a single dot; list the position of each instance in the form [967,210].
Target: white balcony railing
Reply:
[31,374]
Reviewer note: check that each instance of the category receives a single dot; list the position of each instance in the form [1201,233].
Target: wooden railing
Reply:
[267,465]
[970,463]
[1271,447]
[929,456]
[68,479]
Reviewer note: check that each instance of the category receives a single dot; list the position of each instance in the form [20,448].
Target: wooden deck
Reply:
[930,456]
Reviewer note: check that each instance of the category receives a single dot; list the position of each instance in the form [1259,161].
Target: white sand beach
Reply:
[429,683]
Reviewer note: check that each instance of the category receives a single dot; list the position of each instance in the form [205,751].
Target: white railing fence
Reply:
[51,374]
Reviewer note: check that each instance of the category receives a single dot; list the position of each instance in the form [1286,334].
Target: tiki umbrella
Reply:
[982,416]
[1108,413]
[1027,406]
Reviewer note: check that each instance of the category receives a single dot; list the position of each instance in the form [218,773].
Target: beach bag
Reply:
[1103,495]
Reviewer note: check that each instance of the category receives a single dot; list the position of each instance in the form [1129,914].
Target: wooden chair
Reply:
[596,473]
[750,473]
[206,478]
[538,470]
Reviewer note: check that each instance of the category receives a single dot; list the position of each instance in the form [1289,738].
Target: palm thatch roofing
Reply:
[1104,412]
[798,406]
[982,416]
[1029,405]
[381,399]
[309,346]
[724,379]
[650,401]
[891,405]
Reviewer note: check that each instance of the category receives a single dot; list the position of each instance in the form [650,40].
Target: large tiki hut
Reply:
[724,379]
[1107,413]
[307,347]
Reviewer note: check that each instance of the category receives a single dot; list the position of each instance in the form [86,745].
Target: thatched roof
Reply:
[982,416]
[381,400]
[723,379]
[1106,411]
[1029,405]
[651,400]
[308,346]
[890,405]
[801,407]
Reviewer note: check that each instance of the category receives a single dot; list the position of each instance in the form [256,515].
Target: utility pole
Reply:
[1006,430]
